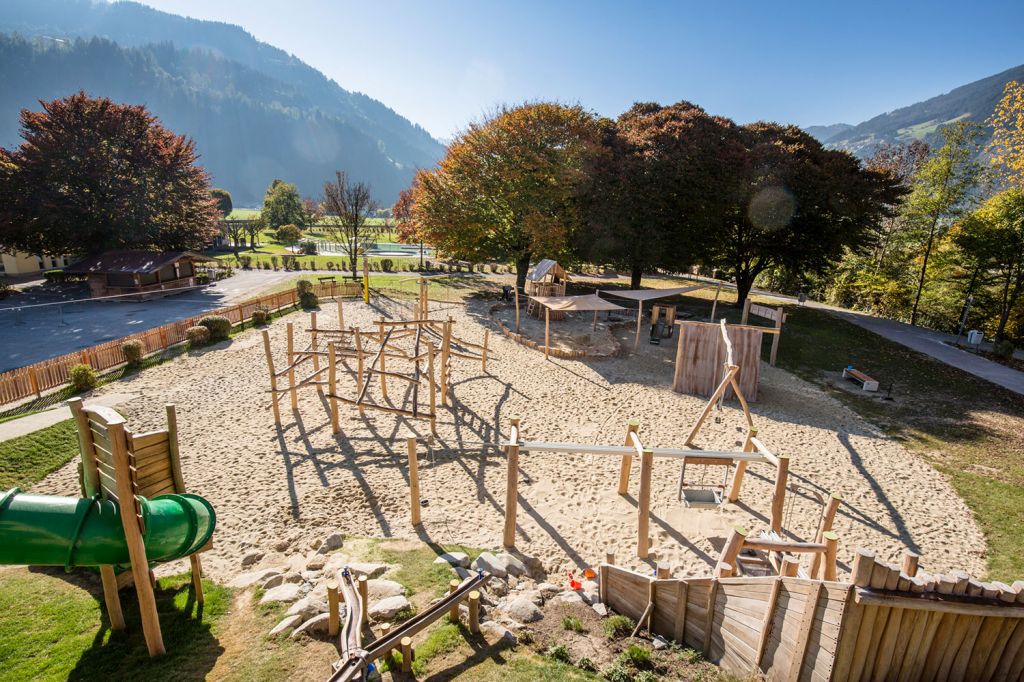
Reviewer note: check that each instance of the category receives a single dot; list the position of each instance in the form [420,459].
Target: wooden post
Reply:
[627,460]
[741,468]
[359,365]
[746,310]
[474,611]
[828,516]
[341,314]
[433,387]
[643,525]
[383,374]
[273,379]
[414,481]
[511,489]
[446,342]
[110,598]
[790,567]
[407,654]
[516,289]
[133,538]
[775,341]
[547,332]
[910,560]
[664,570]
[714,303]
[779,496]
[364,595]
[453,613]
[380,330]
[332,381]
[639,317]
[291,368]
[483,366]
[366,280]
[313,347]
[831,548]
[333,619]
[174,455]
[609,557]
[732,547]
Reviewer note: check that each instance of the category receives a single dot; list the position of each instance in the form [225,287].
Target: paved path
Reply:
[40,420]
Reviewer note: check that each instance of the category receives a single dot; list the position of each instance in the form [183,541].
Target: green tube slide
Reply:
[46,530]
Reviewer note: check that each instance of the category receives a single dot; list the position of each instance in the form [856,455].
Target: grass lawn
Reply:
[27,459]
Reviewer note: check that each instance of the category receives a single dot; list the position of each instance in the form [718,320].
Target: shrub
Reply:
[260,316]
[83,377]
[308,300]
[55,276]
[689,655]
[304,286]
[386,264]
[617,673]
[5,289]
[618,626]
[494,268]
[558,653]
[203,277]
[1003,349]
[586,665]
[330,265]
[218,325]
[246,262]
[132,352]
[273,262]
[645,676]
[197,336]
[525,637]
[637,656]
[309,248]
[572,623]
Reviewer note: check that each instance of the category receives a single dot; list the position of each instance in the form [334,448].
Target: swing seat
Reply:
[701,498]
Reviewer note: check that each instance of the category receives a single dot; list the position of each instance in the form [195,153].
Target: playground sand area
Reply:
[277,493]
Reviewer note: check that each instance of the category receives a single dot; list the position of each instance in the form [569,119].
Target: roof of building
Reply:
[576,303]
[111,262]
[543,268]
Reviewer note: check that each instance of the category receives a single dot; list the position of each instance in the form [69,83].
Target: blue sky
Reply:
[443,63]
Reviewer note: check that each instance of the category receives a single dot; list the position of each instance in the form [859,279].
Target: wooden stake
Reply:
[741,468]
[732,547]
[827,518]
[364,596]
[110,598]
[341,314]
[639,317]
[790,567]
[383,376]
[664,570]
[414,481]
[775,341]
[453,613]
[433,387]
[831,548]
[273,378]
[313,347]
[547,332]
[627,460]
[359,372]
[291,368]
[446,343]
[643,539]
[511,491]
[910,560]
[474,611]
[714,304]
[407,654]
[779,496]
[483,366]
[332,382]
[334,617]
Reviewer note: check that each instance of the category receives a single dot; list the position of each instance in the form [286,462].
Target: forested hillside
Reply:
[255,111]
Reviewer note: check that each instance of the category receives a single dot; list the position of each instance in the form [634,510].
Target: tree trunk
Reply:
[744,283]
[636,275]
[924,271]
[1009,301]
[522,268]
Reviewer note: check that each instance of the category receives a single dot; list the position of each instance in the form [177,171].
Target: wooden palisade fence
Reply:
[33,380]
[889,623]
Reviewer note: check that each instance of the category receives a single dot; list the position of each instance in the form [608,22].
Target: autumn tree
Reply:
[941,193]
[93,175]
[655,186]
[281,206]
[223,199]
[348,205]
[1007,144]
[791,203]
[508,187]
[993,237]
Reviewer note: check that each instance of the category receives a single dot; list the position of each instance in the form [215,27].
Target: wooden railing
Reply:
[33,380]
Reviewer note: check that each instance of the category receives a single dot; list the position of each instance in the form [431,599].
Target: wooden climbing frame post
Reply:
[643,526]
[414,482]
[779,495]
[627,460]
[511,485]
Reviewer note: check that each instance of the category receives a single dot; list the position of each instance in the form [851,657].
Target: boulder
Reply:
[316,563]
[567,597]
[523,610]
[288,623]
[600,609]
[251,558]
[590,592]
[488,562]
[369,570]
[382,589]
[293,577]
[307,607]
[548,590]
[244,580]
[386,609]
[331,542]
[314,624]
[659,643]
[273,581]
[495,632]
[497,587]
[282,545]
[285,594]
[532,595]
[512,565]
[453,558]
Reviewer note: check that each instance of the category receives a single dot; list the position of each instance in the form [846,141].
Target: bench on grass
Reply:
[860,378]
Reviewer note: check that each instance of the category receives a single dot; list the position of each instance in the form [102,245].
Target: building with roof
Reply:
[146,273]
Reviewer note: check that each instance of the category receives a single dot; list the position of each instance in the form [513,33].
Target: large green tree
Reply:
[223,199]
[508,187]
[790,203]
[282,205]
[93,175]
[655,188]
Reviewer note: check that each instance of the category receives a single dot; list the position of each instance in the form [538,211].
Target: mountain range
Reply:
[255,112]
[975,101]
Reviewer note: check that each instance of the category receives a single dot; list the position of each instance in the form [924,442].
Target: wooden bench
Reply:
[860,378]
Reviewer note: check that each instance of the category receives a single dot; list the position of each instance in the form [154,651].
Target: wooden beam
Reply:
[511,488]
[779,494]
[627,458]
[741,468]
[273,377]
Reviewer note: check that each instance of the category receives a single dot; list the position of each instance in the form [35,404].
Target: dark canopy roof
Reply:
[142,262]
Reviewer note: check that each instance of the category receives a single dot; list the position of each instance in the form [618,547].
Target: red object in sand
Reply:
[573,583]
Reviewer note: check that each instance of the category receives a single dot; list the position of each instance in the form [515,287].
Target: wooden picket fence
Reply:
[33,380]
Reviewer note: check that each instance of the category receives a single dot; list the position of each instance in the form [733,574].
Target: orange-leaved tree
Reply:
[1007,145]
[508,187]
